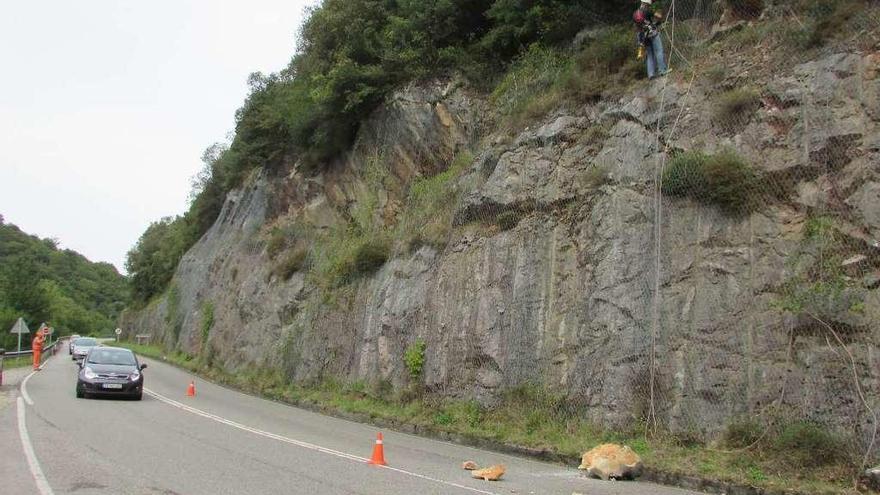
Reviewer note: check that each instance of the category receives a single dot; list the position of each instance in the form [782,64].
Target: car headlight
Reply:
[89,373]
[134,376]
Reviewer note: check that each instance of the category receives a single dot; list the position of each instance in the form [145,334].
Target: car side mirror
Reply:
[143,366]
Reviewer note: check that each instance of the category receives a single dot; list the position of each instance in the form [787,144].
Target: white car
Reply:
[82,346]
[70,343]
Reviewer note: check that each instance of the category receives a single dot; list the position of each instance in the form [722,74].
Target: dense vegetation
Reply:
[351,55]
[40,282]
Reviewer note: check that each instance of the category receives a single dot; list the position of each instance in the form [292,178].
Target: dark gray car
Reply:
[110,371]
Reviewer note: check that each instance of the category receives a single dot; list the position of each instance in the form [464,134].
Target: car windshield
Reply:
[120,357]
[85,342]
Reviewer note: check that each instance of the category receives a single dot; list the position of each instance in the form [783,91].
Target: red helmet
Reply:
[638,16]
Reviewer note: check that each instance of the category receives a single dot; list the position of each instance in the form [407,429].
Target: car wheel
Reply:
[80,394]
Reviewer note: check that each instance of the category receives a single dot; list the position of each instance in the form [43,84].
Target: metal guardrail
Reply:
[28,352]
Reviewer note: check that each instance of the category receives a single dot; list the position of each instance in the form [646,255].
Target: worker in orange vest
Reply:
[37,346]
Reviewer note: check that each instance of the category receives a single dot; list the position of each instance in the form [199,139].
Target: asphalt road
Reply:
[222,441]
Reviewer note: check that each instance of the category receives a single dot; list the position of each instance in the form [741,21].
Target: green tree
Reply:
[151,263]
[40,282]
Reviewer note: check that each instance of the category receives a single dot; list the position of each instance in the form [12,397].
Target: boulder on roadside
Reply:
[492,473]
[612,461]
[870,479]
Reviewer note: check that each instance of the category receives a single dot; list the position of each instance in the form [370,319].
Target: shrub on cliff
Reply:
[546,77]
[414,357]
[745,9]
[291,263]
[723,179]
[370,256]
[734,108]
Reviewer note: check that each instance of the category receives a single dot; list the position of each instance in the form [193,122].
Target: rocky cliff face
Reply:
[565,267]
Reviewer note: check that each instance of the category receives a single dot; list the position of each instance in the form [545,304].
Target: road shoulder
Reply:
[13,463]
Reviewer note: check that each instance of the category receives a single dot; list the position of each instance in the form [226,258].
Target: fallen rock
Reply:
[492,473]
[469,465]
[871,479]
[612,461]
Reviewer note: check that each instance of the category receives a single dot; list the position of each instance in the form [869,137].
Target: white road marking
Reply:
[24,392]
[33,463]
[305,445]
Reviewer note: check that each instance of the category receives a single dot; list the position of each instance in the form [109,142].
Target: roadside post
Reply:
[49,344]
[118,333]
[2,352]
[20,327]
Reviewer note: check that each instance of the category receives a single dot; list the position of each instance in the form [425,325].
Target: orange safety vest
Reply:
[38,342]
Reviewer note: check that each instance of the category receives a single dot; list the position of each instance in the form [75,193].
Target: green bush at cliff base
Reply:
[807,444]
[743,433]
[414,357]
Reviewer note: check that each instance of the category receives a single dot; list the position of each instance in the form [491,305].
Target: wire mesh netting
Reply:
[699,254]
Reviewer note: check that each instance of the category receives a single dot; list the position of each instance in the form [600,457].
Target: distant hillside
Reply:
[40,282]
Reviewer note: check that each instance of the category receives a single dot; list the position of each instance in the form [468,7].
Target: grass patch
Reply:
[357,247]
[346,254]
[716,74]
[545,78]
[807,444]
[207,321]
[594,136]
[18,362]
[819,287]
[368,257]
[536,71]
[291,263]
[507,219]
[734,108]
[174,318]
[821,21]
[276,243]
[723,179]
[426,220]
[745,9]
[743,433]
[596,176]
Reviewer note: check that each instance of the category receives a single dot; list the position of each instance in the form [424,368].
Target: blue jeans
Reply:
[655,57]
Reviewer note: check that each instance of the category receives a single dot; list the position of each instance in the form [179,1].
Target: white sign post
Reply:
[20,327]
[118,333]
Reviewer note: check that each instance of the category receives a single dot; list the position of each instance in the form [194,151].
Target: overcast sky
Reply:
[106,107]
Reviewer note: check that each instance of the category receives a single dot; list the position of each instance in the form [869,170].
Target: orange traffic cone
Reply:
[191,390]
[378,458]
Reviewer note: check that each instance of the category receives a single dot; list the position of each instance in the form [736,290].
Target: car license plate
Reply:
[112,385]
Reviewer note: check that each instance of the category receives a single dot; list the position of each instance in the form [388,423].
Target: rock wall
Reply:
[595,282]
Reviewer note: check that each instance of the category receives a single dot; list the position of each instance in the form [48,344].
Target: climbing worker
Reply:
[650,44]
[37,346]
